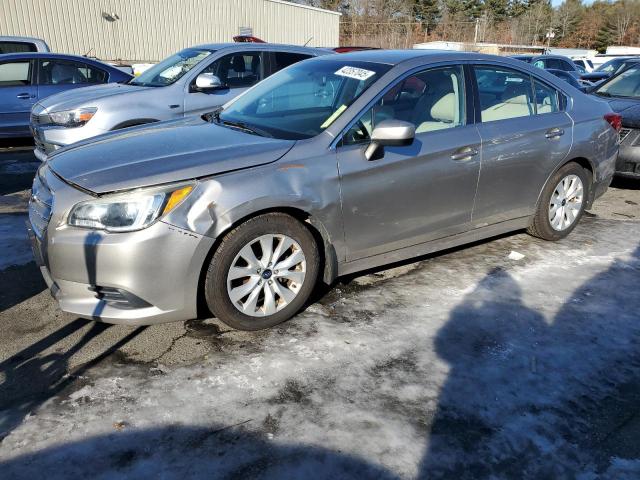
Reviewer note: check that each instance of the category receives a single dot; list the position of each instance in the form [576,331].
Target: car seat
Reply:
[515,103]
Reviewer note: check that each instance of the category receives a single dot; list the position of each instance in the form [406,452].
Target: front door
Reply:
[236,71]
[17,95]
[525,133]
[410,195]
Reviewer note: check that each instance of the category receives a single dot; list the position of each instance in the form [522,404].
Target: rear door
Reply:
[524,136]
[57,75]
[412,194]
[17,95]
[237,71]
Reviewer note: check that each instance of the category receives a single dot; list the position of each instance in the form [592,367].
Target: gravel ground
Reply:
[466,364]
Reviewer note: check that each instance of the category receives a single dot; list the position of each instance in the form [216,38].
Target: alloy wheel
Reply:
[566,202]
[266,275]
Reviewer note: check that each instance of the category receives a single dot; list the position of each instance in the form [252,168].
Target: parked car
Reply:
[622,92]
[584,63]
[335,165]
[614,66]
[558,62]
[570,79]
[193,81]
[26,78]
[22,45]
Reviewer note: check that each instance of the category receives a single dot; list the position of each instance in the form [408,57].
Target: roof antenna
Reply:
[307,42]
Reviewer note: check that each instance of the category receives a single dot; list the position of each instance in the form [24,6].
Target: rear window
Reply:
[17,47]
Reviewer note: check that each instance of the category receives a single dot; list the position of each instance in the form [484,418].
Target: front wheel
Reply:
[262,273]
[561,204]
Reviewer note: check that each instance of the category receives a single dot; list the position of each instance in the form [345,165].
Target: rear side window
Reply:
[17,47]
[65,72]
[557,64]
[503,94]
[547,98]
[15,74]
[284,59]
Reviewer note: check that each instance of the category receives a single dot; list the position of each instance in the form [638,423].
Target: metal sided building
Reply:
[149,30]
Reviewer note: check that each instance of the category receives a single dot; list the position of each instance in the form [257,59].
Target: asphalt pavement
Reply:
[472,363]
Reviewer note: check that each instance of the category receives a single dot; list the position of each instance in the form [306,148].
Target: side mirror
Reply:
[208,81]
[392,133]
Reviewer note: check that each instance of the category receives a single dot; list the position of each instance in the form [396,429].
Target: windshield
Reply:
[609,66]
[626,84]
[171,69]
[303,100]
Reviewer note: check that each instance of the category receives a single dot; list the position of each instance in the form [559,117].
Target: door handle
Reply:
[465,153]
[24,96]
[554,133]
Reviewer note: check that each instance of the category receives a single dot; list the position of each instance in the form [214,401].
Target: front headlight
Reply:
[127,212]
[73,118]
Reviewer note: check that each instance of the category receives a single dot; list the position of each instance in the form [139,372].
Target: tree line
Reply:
[572,24]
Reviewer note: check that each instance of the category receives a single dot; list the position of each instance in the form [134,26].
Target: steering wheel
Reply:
[363,130]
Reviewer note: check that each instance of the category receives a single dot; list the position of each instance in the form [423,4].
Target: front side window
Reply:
[62,72]
[625,84]
[432,100]
[504,94]
[238,70]
[15,74]
[171,69]
[302,100]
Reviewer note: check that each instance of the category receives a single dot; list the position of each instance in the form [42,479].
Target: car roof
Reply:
[10,38]
[248,46]
[559,57]
[61,56]
[396,57]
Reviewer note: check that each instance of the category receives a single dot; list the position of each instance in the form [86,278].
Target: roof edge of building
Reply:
[308,7]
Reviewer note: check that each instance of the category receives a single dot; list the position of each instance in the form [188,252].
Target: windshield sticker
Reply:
[355,73]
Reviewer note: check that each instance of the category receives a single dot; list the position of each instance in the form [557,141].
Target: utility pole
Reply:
[475,35]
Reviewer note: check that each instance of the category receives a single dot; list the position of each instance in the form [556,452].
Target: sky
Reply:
[558,2]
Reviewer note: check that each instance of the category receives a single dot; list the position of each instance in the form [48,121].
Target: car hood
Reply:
[160,153]
[78,97]
[628,108]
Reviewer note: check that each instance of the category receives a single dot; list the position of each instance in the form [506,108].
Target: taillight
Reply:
[614,120]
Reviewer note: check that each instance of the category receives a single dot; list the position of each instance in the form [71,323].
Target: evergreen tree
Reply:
[604,37]
[498,10]
[427,12]
[517,8]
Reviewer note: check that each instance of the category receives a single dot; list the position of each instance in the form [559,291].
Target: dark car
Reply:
[26,78]
[622,92]
[612,67]
[570,79]
[558,62]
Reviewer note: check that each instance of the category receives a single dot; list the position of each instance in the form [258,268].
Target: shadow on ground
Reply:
[524,398]
[19,283]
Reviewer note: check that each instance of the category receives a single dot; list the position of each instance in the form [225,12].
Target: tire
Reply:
[246,249]
[569,212]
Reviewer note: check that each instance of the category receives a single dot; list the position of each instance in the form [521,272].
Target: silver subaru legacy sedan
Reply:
[192,81]
[331,166]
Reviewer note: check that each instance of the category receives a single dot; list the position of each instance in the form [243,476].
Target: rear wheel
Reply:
[262,273]
[561,204]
